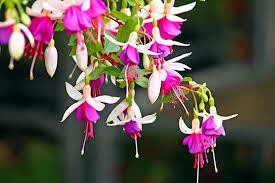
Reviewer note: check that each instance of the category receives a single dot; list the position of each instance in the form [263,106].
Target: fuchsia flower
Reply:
[131,120]
[197,142]
[87,108]
[158,80]
[97,7]
[168,22]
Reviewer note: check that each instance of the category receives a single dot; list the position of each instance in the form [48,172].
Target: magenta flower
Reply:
[159,48]
[197,143]
[87,108]
[131,120]
[96,85]
[169,29]
[42,29]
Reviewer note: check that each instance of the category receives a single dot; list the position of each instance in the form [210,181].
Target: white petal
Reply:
[148,119]
[117,110]
[71,109]
[228,117]
[80,78]
[182,9]
[136,111]
[80,85]
[179,57]
[177,66]
[148,45]
[174,18]
[115,41]
[154,85]
[95,104]
[27,32]
[72,92]
[148,52]
[107,99]
[183,128]
[85,5]
[170,42]
[118,123]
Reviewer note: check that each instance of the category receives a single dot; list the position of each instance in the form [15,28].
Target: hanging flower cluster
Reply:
[106,42]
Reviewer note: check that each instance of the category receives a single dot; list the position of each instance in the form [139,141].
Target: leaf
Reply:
[126,29]
[142,81]
[112,70]
[116,58]
[187,79]
[97,72]
[110,47]
[121,82]
[167,98]
[59,27]
[120,16]
[73,51]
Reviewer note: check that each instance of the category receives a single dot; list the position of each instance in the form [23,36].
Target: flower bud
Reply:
[201,105]
[16,44]
[82,56]
[51,58]
[146,62]
[25,19]
[154,84]
[211,101]
[204,97]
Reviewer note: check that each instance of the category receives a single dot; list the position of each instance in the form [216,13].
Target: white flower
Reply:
[170,12]
[96,103]
[132,42]
[159,74]
[51,58]
[218,119]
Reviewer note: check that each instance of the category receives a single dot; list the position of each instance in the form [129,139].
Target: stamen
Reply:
[85,138]
[198,169]
[214,159]
[126,80]
[99,32]
[178,97]
[11,65]
[33,61]
[137,155]
[41,51]
[72,73]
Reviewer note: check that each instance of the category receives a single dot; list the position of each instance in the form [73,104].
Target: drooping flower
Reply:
[168,22]
[157,81]
[131,120]
[51,58]
[87,108]
[196,141]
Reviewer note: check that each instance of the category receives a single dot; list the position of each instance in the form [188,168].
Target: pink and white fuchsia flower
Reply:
[159,75]
[168,22]
[131,120]
[197,142]
[87,108]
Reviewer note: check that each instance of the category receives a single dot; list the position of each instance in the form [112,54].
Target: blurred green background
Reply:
[233,45]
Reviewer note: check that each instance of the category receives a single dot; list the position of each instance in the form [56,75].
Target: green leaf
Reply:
[110,47]
[116,58]
[59,27]
[167,98]
[126,29]
[112,70]
[73,51]
[121,82]
[142,81]
[132,2]
[120,16]
[187,79]
[97,72]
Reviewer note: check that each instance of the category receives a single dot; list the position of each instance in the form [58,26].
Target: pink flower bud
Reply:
[51,58]
[82,56]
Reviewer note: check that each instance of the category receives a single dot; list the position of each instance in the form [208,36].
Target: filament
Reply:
[214,159]
[33,61]
[137,155]
[72,73]
[198,169]
[85,138]
[11,65]
[178,97]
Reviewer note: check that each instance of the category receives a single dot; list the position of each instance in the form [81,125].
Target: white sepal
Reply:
[179,58]
[182,9]
[71,109]
[148,119]
[106,99]
[95,104]
[117,110]
[27,32]
[183,128]
[73,92]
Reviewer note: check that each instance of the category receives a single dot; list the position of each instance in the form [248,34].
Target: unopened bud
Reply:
[114,6]
[25,19]
[146,62]
[202,105]
[204,97]
[211,101]
[82,56]
[16,44]
[51,59]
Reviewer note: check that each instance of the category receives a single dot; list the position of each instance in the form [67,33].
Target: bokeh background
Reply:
[233,45]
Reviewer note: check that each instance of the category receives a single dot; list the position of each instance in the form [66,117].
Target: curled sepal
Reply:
[183,128]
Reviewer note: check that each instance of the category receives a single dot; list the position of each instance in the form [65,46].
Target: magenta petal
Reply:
[5,33]
[131,127]
[98,82]
[159,48]
[171,81]
[90,113]
[197,143]
[76,20]
[79,113]
[149,28]
[209,128]
[129,56]
[42,29]
[168,29]
[97,7]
